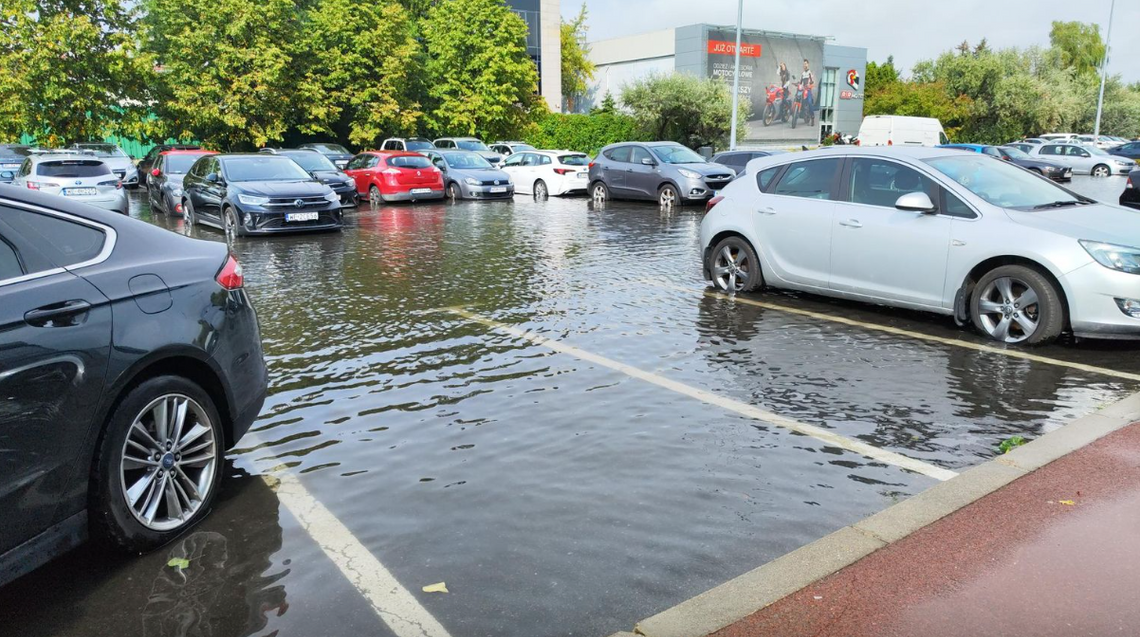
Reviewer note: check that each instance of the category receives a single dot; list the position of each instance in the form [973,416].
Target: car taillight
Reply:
[178,208]
[1129,184]
[712,202]
[563,171]
[591,165]
[34,185]
[890,142]
[230,276]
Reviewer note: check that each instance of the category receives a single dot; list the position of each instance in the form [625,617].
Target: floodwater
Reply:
[552,495]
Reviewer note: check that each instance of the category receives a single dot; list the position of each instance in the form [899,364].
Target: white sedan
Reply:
[543,173]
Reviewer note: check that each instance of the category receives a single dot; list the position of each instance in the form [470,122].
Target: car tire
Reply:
[668,197]
[230,225]
[375,199]
[188,213]
[1037,171]
[453,192]
[540,190]
[113,518]
[999,309]
[600,192]
[1101,170]
[743,275]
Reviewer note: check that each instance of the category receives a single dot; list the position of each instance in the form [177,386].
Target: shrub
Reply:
[584,133]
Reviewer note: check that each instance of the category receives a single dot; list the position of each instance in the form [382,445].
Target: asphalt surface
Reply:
[553,495]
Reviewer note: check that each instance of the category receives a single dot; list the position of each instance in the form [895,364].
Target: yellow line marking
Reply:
[989,349]
[729,404]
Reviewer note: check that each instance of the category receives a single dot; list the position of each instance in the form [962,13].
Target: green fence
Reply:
[132,147]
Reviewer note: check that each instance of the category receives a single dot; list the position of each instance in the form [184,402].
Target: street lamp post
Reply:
[736,77]
[1103,71]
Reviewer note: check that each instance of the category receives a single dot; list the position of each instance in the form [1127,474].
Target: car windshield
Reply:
[465,160]
[676,155]
[574,160]
[471,144]
[311,161]
[1015,153]
[1002,184]
[409,161]
[1096,151]
[269,168]
[179,164]
[331,149]
[419,145]
[72,168]
[102,150]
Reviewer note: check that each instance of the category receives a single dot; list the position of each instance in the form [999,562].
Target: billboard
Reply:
[779,75]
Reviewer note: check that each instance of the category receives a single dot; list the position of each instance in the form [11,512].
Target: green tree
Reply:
[577,69]
[929,99]
[359,58]
[880,76]
[227,71]
[584,133]
[684,108]
[70,70]
[1080,45]
[480,78]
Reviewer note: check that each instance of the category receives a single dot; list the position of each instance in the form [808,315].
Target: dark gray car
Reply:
[665,172]
[737,160]
[11,157]
[466,175]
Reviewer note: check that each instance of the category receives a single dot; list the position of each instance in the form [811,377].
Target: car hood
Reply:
[330,176]
[706,169]
[1039,163]
[482,174]
[490,156]
[283,188]
[174,180]
[118,163]
[1096,222]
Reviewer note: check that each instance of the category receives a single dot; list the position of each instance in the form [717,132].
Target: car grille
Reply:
[493,182]
[291,202]
[338,186]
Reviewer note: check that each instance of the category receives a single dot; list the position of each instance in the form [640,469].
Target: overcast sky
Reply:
[911,30]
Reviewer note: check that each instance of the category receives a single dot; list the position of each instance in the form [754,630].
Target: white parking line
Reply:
[728,404]
[989,349]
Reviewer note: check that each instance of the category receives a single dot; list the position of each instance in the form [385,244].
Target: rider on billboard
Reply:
[807,79]
[786,84]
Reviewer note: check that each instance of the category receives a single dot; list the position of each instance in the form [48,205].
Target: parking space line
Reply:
[393,603]
[990,349]
[728,404]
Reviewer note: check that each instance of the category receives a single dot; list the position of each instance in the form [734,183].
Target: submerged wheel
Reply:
[667,197]
[230,223]
[453,191]
[735,267]
[600,192]
[540,190]
[188,213]
[374,196]
[1017,304]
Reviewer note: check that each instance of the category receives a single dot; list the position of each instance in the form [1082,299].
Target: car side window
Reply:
[373,161]
[544,160]
[10,267]
[1047,150]
[63,243]
[764,177]
[439,163]
[514,160]
[991,151]
[621,154]
[639,154]
[353,163]
[877,182]
[809,179]
[954,207]
[529,160]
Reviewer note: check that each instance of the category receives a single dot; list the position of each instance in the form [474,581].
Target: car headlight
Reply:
[332,196]
[253,200]
[1121,258]
[689,174]
[471,181]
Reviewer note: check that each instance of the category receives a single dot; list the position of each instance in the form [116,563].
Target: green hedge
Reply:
[583,133]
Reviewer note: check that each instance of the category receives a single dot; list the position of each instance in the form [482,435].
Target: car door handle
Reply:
[851,223]
[49,314]
[766,211]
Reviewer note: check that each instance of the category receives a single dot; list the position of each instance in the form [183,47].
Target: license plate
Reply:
[302,216]
[420,191]
[499,189]
[9,166]
[79,192]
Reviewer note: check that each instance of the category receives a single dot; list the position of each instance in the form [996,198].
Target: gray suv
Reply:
[665,172]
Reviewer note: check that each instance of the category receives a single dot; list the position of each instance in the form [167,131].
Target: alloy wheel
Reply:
[1100,171]
[167,464]
[188,214]
[599,192]
[668,197]
[732,269]
[374,197]
[230,222]
[540,190]
[1009,310]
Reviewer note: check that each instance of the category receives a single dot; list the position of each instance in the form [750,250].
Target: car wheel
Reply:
[667,197]
[188,213]
[735,267]
[540,190]
[600,192]
[453,191]
[1017,304]
[1100,170]
[232,227]
[158,464]
[374,197]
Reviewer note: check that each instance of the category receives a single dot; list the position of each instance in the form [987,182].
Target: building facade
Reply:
[543,19]
[777,70]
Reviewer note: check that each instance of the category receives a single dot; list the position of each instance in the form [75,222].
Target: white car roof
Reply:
[914,153]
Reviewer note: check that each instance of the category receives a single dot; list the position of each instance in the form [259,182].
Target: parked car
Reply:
[120,163]
[1034,140]
[738,159]
[665,172]
[1035,259]
[1025,147]
[1103,142]
[134,363]
[543,173]
[470,144]
[336,153]
[506,149]
[146,164]
[79,177]
[322,170]
[1058,137]
[407,144]
[257,194]
[1131,195]
[388,176]
[468,175]
[1129,150]
[898,130]
[164,181]
[1084,160]
[1054,171]
[11,157]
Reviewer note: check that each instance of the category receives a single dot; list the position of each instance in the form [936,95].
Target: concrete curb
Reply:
[738,598]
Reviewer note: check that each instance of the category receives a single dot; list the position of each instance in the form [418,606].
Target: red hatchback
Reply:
[385,176]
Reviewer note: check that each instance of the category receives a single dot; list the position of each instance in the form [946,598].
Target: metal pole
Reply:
[736,76]
[1104,72]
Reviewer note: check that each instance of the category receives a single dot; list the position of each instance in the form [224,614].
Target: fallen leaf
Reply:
[1066,502]
[178,563]
[437,588]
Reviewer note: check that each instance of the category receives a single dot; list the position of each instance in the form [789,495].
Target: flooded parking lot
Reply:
[640,448]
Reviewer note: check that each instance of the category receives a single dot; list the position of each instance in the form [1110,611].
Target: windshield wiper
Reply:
[1062,204]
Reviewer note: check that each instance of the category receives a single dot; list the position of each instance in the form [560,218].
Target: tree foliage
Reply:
[684,108]
[585,133]
[1080,45]
[70,70]
[479,75]
[577,69]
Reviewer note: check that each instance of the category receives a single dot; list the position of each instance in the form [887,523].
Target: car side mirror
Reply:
[648,162]
[156,173]
[213,178]
[916,202]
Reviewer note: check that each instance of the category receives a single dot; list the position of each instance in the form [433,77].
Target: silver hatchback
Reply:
[79,177]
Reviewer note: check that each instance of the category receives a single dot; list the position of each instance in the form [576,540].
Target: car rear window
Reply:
[179,164]
[574,160]
[419,145]
[408,161]
[72,168]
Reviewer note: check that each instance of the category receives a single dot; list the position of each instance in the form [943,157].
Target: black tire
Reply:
[188,213]
[453,192]
[668,197]
[375,198]
[110,517]
[749,276]
[1101,170]
[230,226]
[600,192]
[1049,310]
[540,190]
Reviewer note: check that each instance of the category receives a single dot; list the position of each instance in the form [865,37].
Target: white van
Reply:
[898,130]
